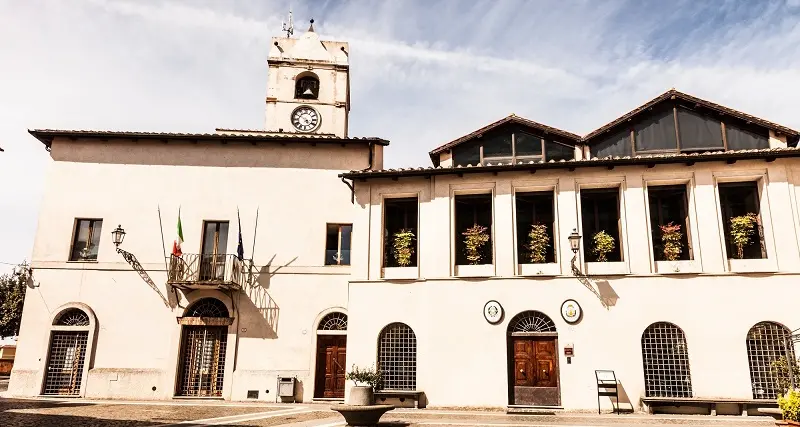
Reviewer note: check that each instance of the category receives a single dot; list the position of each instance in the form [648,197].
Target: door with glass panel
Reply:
[212,259]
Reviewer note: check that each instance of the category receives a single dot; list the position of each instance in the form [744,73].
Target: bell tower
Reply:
[309,85]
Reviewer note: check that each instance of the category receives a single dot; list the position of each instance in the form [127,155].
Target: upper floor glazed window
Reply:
[86,239]
[337,244]
[400,232]
[601,224]
[741,220]
[510,145]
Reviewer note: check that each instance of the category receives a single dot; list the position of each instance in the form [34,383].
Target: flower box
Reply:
[606,268]
[543,269]
[400,273]
[678,267]
[480,270]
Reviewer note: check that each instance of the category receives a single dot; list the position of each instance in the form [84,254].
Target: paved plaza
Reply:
[85,413]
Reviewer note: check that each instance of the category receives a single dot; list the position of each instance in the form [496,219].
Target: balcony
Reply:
[205,271]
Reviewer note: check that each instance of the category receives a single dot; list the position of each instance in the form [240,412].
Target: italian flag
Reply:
[176,245]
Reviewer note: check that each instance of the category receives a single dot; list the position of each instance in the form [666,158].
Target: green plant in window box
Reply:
[742,229]
[475,238]
[671,236]
[602,245]
[538,242]
[790,406]
[403,247]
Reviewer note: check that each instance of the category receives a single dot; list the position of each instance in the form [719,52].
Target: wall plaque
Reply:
[493,312]
[571,311]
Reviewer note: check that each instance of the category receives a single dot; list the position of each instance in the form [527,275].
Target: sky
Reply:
[422,72]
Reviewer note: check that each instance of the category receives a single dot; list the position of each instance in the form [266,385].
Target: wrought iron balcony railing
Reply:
[195,271]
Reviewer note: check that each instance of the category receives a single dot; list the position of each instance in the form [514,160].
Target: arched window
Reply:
[766,344]
[307,87]
[397,357]
[72,317]
[70,342]
[666,361]
[531,321]
[207,307]
[333,322]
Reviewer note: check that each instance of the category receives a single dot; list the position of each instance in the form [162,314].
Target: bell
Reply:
[308,92]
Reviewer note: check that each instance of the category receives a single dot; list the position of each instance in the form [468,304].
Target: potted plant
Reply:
[475,238]
[402,247]
[367,381]
[671,236]
[742,229]
[789,404]
[538,242]
[602,245]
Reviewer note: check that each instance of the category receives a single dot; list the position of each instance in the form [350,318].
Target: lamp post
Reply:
[575,245]
[118,235]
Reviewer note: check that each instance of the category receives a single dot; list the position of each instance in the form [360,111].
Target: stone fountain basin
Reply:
[362,415]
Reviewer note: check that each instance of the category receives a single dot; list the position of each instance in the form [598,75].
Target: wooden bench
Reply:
[400,398]
[712,402]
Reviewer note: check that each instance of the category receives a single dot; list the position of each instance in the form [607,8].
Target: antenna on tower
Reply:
[288,29]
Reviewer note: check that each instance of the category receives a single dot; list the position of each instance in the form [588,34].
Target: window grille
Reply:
[65,361]
[202,361]
[333,322]
[208,307]
[766,344]
[531,321]
[397,357]
[666,361]
[72,317]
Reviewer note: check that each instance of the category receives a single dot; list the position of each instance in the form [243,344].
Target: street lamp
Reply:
[575,241]
[575,245]
[119,235]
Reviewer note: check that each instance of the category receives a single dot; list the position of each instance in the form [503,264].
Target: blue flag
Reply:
[240,247]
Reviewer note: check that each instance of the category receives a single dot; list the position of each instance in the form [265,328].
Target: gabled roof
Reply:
[675,94]
[46,136]
[508,119]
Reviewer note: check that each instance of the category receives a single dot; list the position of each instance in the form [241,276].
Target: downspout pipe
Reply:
[350,184]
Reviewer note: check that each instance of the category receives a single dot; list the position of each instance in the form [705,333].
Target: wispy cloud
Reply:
[423,72]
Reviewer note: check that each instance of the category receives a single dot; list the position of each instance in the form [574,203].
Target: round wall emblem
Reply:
[493,312]
[571,311]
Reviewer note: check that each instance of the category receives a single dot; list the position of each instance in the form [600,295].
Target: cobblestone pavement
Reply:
[86,413]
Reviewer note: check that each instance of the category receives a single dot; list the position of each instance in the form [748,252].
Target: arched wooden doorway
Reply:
[533,377]
[331,352]
[66,353]
[203,344]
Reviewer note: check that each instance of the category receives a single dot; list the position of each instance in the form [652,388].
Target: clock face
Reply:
[305,119]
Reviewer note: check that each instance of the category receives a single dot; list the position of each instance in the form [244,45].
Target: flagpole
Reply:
[163,245]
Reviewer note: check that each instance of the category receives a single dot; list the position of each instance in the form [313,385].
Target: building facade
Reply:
[523,262]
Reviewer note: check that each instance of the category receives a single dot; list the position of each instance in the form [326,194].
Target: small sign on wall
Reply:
[493,312]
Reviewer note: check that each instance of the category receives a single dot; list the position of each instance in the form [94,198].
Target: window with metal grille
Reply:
[666,361]
[531,321]
[65,361]
[202,361]
[397,357]
[766,344]
[207,307]
[72,317]
[333,322]
[86,240]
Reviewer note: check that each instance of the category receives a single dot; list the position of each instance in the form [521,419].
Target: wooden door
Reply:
[535,371]
[331,362]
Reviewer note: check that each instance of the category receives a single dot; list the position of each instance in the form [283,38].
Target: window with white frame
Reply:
[473,229]
[600,222]
[535,227]
[400,232]
[669,222]
[741,220]
[86,239]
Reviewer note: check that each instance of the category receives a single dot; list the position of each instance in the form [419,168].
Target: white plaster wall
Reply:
[462,359]
[138,336]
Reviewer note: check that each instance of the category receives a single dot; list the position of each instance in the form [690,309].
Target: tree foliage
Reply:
[603,245]
[742,229]
[538,242]
[403,248]
[12,296]
[475,238]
